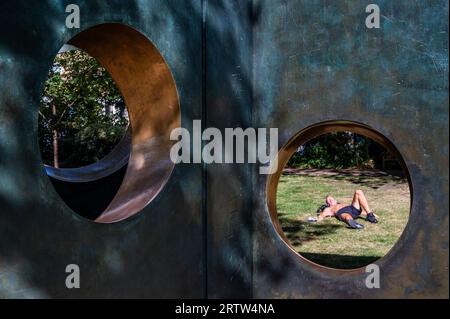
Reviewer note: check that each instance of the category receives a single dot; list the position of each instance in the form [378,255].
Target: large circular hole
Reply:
[131,170]
[360,171]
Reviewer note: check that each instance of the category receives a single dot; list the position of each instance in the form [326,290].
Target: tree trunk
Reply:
[55,141]
[55,149]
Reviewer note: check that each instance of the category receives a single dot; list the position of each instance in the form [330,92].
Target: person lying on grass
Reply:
[348,213]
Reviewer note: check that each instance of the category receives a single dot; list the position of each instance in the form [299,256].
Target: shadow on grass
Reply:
[340,261]
[370,178]
[373,182]
[298,232]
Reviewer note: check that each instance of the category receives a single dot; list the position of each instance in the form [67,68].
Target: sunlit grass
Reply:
[331,243]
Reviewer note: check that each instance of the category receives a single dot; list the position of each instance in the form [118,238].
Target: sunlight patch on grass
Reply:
[331,243]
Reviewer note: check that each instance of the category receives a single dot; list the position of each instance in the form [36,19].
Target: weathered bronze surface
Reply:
[155,253]
[209,230]
[316,62]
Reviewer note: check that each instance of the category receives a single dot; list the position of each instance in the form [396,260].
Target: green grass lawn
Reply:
[331,243]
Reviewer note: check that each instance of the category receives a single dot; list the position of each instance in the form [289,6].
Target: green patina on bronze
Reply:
[261,63]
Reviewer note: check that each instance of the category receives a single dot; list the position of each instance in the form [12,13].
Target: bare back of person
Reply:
[348,213]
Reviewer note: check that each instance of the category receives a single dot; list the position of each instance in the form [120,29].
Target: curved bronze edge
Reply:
[108,165]
[148,87]
[301,138]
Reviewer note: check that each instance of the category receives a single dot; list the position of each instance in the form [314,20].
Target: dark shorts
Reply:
[348,210]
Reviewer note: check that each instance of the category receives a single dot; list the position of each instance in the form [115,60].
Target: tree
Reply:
[82,113]
[338,150]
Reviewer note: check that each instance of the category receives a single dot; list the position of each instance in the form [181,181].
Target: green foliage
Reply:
[338,150]
[82,103]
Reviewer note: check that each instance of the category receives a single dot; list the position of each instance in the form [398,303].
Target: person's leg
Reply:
[360,202]
[348,219]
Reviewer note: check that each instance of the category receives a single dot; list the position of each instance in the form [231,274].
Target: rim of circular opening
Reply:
[301,138]
[113,161]
[150,93]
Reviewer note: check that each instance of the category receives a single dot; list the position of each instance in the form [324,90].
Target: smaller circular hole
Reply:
[119,184]
[348,170]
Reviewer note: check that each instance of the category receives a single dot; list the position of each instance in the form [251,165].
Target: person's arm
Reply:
[324,214]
